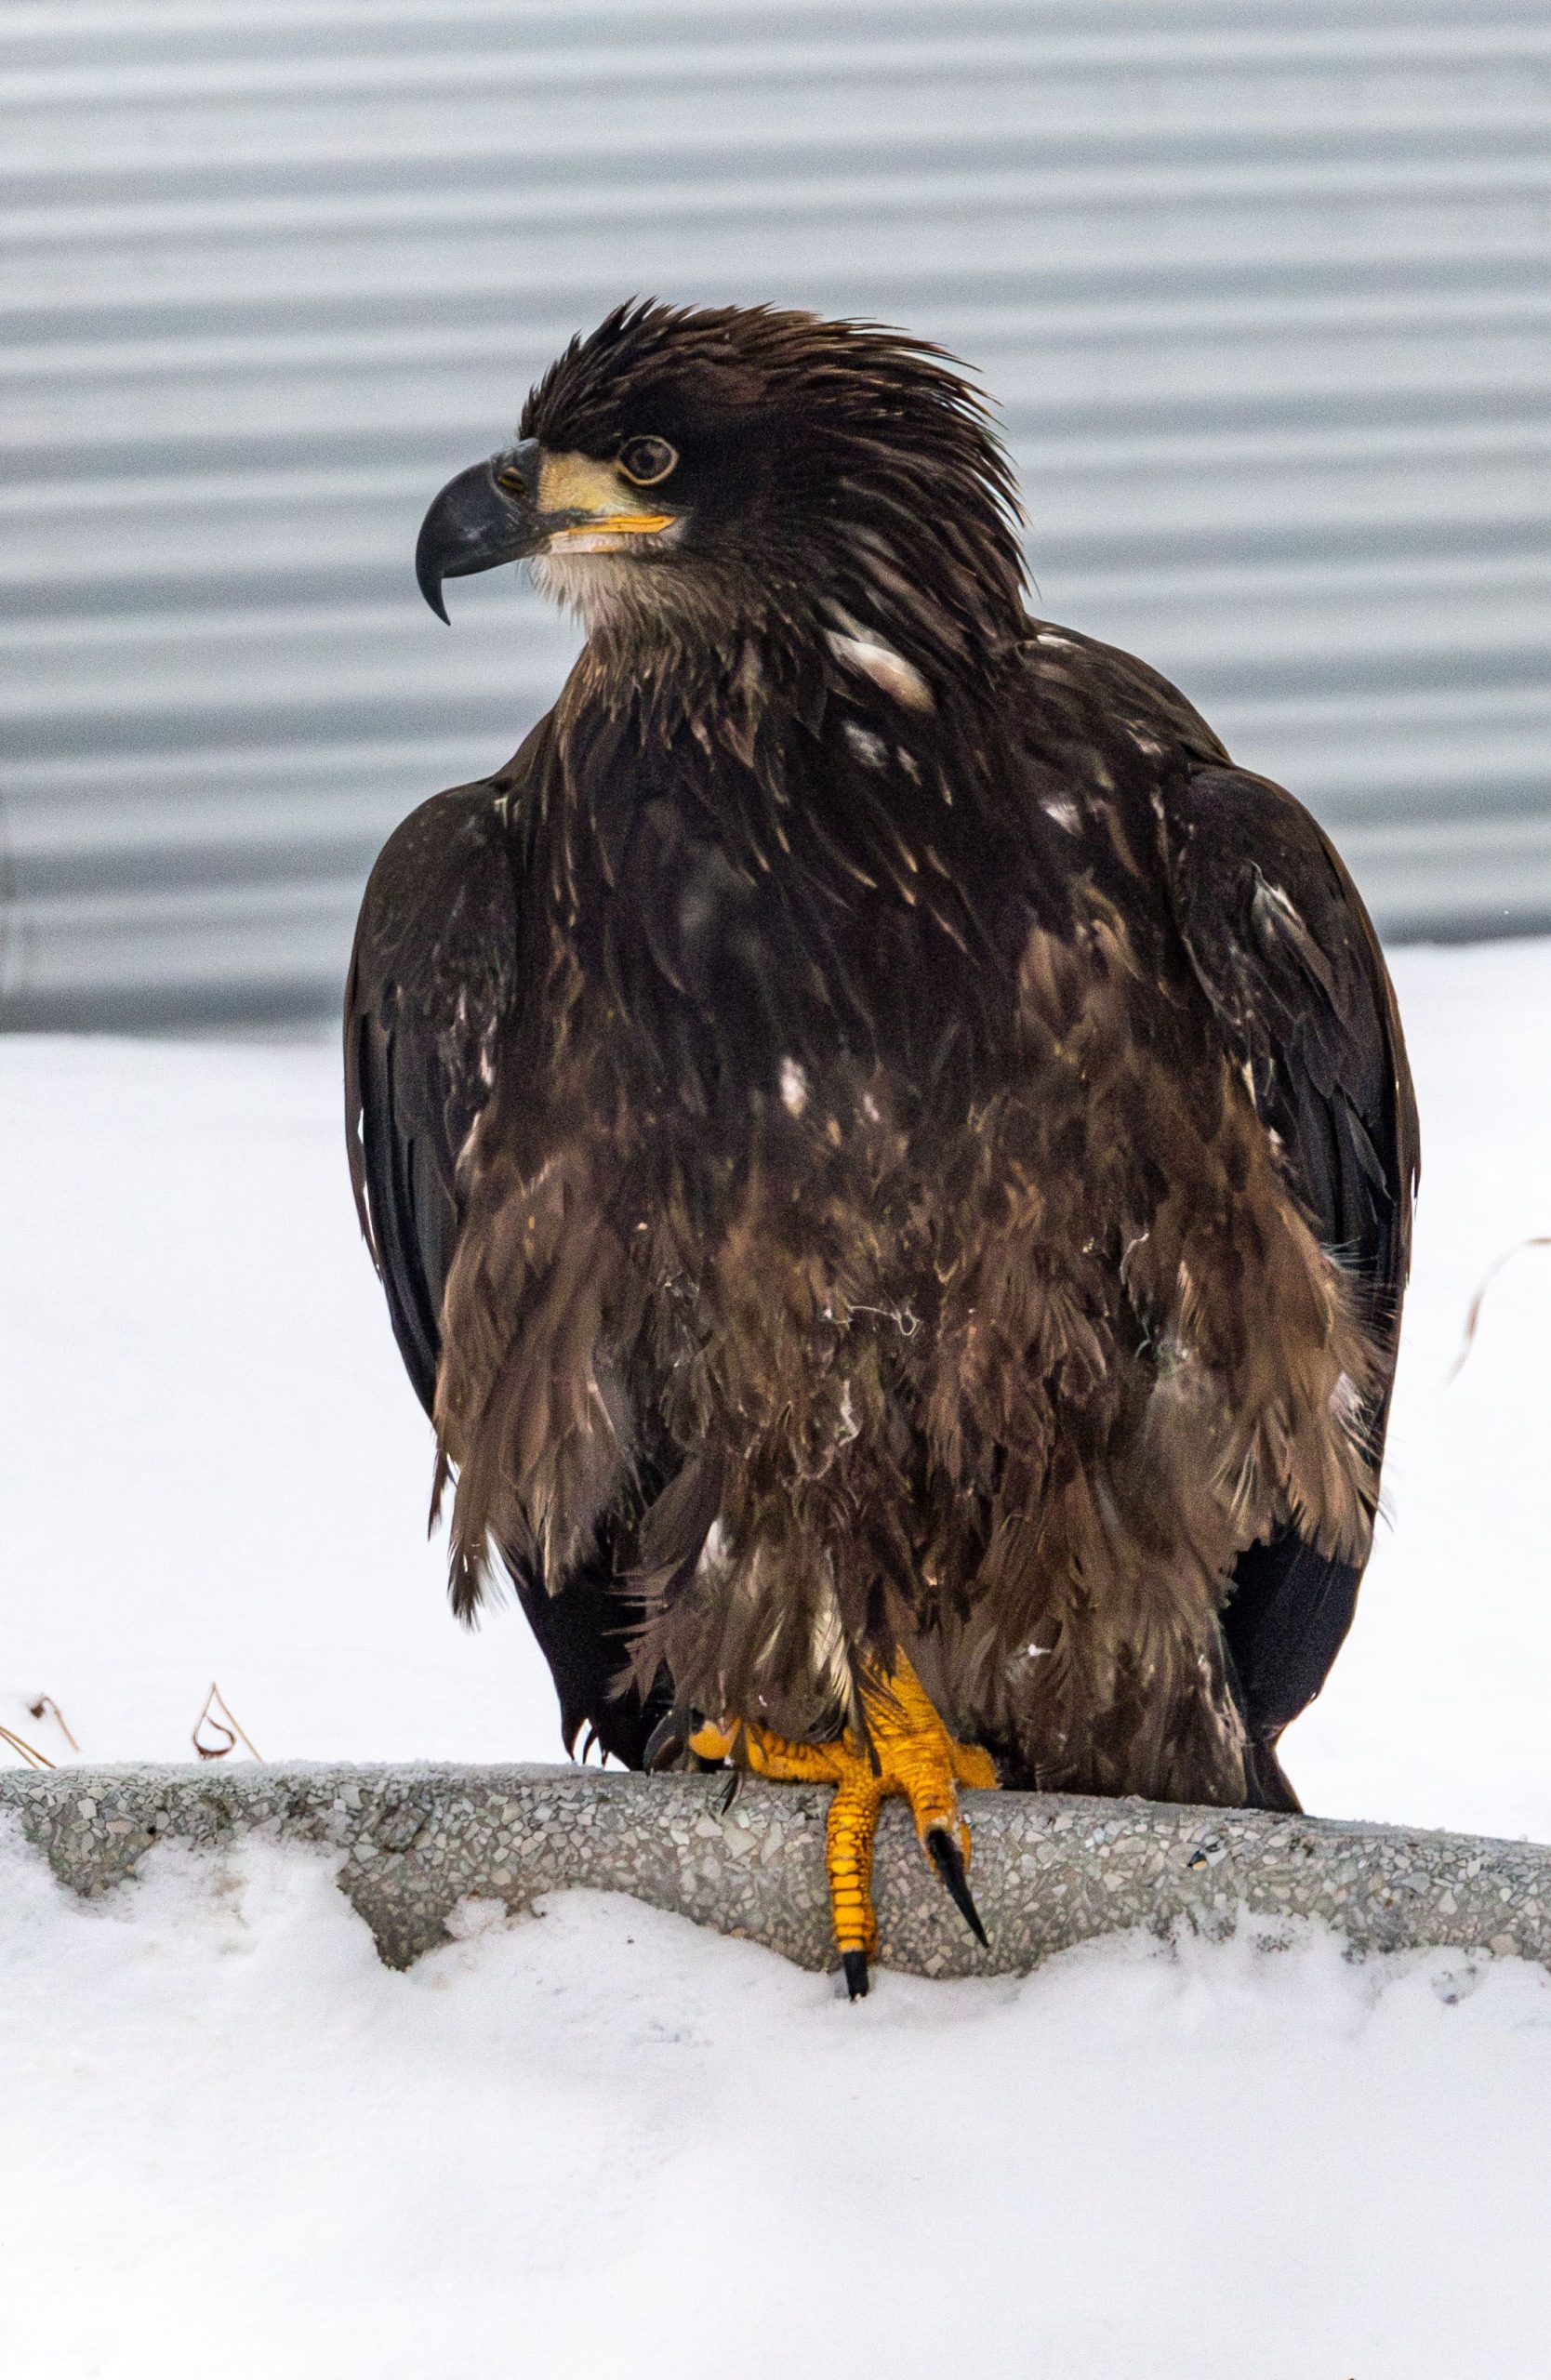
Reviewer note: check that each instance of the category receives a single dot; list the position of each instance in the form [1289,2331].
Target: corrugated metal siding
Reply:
[1262,289]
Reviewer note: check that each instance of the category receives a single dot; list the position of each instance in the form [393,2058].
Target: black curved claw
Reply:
[949,1861]
[854,1968]
[669,1740]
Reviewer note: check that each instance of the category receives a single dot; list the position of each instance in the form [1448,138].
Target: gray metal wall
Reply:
[1262,290]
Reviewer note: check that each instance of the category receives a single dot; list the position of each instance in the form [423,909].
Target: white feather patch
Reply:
[888,670]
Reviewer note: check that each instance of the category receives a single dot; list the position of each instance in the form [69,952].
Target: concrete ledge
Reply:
[1050,1870]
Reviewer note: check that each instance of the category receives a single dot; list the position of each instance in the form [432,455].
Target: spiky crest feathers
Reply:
[842,481]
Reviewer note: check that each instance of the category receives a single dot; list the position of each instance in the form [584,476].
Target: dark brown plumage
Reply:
[876,1135]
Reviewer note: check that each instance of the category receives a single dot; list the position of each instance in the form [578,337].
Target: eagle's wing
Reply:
[435,957]
[1283,948]
[437,963]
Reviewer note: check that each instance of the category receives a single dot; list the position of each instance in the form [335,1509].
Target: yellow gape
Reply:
[912,1754]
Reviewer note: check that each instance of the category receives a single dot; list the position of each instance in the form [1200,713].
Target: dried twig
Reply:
[218,1717]
[1473,1318]
[46,1708]
[29,1752]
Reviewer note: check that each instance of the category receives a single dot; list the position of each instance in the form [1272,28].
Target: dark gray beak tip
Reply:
[429,585]
[435,547]
[482,518]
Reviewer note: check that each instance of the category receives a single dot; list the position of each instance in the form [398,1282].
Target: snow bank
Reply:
[597,2140]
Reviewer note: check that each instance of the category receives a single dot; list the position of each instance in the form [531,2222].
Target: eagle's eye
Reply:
[647,460]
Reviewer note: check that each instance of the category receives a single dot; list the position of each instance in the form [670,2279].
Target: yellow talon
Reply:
[912,1754]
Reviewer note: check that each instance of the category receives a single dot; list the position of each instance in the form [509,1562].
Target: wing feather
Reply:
[438,964]
[1285,951]
[437,961]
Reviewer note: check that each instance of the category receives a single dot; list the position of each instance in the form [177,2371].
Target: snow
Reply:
[596,2138]
[211,1464]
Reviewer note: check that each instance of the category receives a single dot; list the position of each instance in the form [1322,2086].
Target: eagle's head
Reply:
[687,478]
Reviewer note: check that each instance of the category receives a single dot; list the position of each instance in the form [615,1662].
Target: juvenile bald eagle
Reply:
[890,1157]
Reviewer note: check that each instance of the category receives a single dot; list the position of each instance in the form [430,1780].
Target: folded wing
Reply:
[1282,946]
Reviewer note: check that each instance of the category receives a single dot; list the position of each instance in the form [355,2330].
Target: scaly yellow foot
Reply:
[911,1754]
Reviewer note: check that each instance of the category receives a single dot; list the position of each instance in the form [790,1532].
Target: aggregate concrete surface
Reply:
[1049,1869]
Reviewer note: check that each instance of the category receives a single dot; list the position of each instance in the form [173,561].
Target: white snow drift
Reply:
[597,2141]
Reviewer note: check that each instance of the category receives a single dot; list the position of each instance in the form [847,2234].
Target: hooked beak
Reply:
[524,502]
[489,514]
